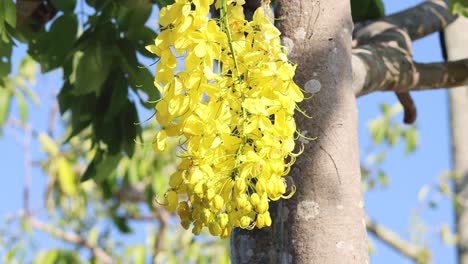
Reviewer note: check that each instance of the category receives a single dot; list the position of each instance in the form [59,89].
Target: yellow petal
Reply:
[159,143]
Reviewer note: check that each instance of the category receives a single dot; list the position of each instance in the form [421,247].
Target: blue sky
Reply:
[391,207]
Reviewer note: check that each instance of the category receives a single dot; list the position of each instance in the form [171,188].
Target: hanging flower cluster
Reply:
[232,103]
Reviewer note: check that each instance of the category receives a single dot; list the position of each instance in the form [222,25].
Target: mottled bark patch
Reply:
[343,246]
[308,210]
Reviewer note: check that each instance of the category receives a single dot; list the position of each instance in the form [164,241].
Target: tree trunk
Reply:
[324,221]
[455,41]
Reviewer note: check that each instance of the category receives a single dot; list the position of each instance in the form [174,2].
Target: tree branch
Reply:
[161,234]
[383,61]
[98,252]
[419,254]
[419,21]
[395,71]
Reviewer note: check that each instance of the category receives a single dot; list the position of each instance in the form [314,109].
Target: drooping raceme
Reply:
[232,103]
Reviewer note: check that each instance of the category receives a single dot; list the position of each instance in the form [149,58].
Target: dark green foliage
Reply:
[7,25]
[5,61]
[459,7]
[363,10]
[100,65]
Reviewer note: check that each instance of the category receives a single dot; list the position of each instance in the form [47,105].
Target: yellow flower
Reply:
[231,104]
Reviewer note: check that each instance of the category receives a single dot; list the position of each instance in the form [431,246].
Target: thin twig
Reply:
[73,238]
[417,253]
[16,123]
[52,118]
[161,234]
[27,169]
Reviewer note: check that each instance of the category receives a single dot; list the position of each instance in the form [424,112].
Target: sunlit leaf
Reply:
[422,194]
[48,144]
[378,129]
[28,69]
[57,256]
[4,105]
[66,176]
[93,235]
[8,12]
[383,179]
[447,236]
[23,108]
[459,7]
[137,254]
[411,138]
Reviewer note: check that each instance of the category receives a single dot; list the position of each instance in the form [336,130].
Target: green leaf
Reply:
[5,98]
[378,128]
[8,12]
[92,70]
[383,179]
[447,235]
[28,69]
[51,48]
[66,176]
[140,12]
[422,193]
[144,81]
[459,7]
[140,78]
[143,38]
[394,134]
[132,172]
[132,15]
[381,157]
[107,166]
[5,60]
[119,97]
[90,172]
[366,10]
[57,256]
[23,107]
[138,254]
[11,254]
[48,144]
[122,224]
[101,166]
[411,138]
[82,110]
[93,235]
[386,110]
[69,68]
[130,129]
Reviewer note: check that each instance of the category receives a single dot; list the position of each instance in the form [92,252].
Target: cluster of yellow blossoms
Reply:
[232,102]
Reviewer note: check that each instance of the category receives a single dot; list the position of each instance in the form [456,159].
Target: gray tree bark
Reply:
[324,221]
[456,40]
